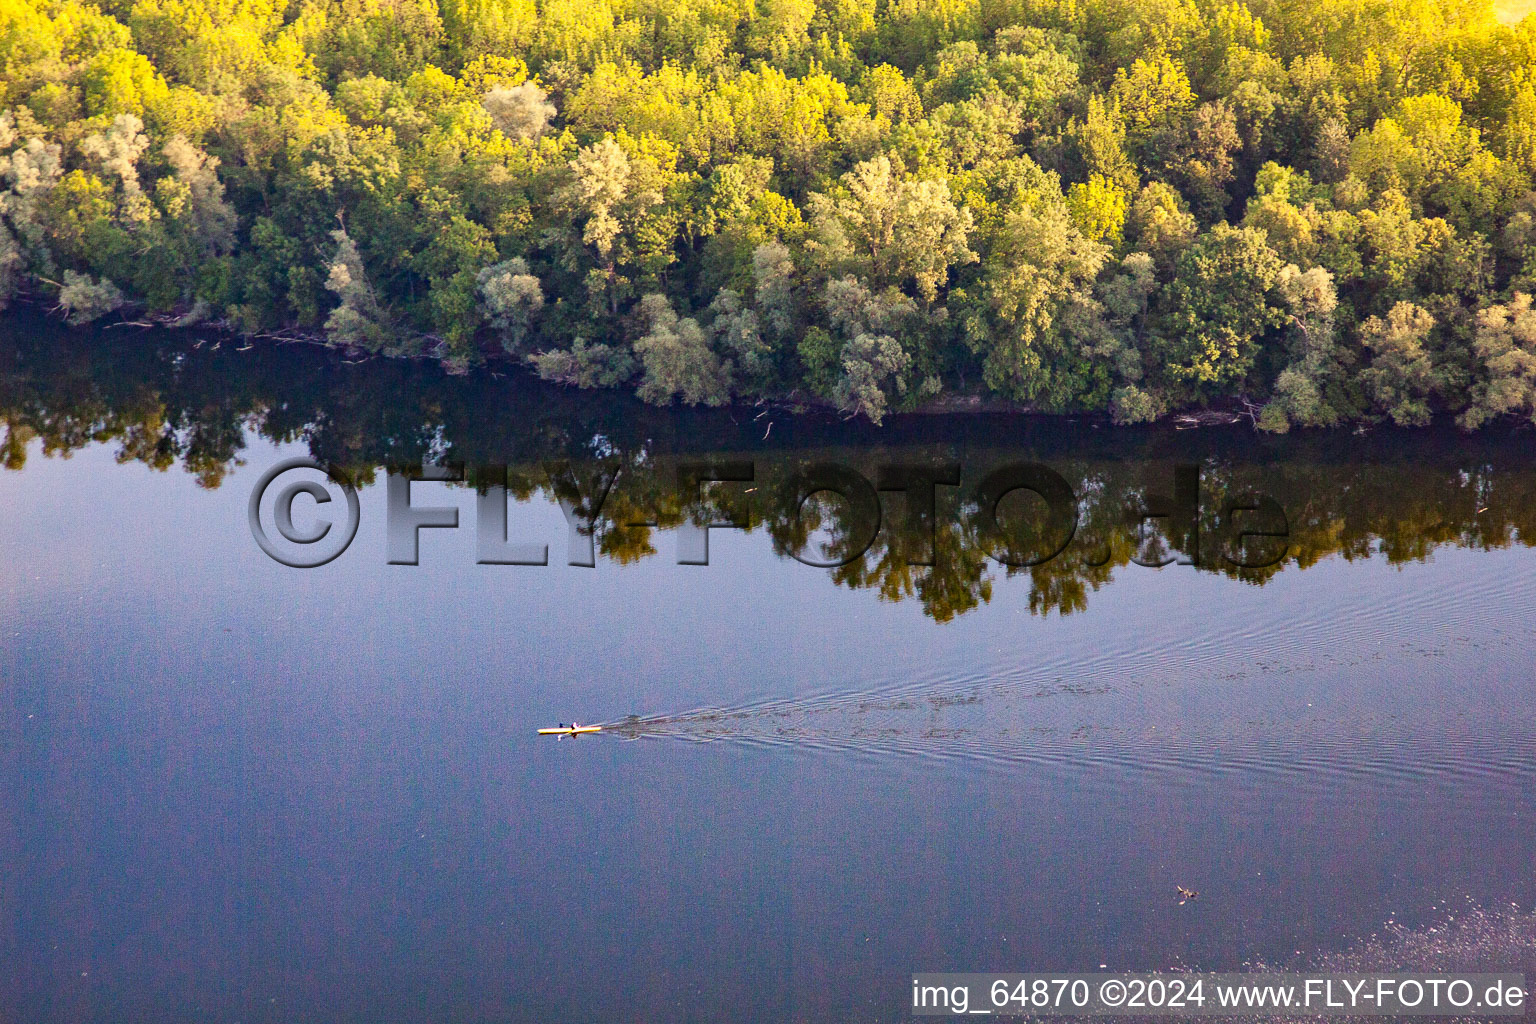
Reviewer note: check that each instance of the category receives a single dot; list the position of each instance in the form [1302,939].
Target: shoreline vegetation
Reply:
[168,401]
[1303,213]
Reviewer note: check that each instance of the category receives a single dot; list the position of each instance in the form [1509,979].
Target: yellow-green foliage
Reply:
[1317,207]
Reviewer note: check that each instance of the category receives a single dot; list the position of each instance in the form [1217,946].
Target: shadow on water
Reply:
[1354,728]
[166,399]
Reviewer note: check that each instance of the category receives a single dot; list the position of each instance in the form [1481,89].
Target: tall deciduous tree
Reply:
[890,231]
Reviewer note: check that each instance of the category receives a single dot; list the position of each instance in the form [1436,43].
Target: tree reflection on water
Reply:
[172,399]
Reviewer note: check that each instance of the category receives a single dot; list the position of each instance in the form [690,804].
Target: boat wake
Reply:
[1358,689]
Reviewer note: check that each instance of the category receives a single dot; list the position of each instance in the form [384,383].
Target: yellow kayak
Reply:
[571,730]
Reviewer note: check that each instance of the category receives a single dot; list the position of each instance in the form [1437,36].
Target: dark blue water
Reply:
[235,791]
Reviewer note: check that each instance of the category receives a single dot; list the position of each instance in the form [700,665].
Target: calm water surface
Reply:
[236,791]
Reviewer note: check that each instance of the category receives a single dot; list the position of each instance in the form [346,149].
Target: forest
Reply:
[1313,212]
[165,402]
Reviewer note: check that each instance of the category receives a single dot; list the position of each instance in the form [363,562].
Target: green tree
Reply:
[1098,209]
[1039,266]
[586,365]
[359,318]
[511,299]
[889,231]
[1217,311]
[1402,378]
[616,196]
[519,111]
[677,359]
[1159,223]
[1313,389]
[1505,346]
[872,364]
[84,298]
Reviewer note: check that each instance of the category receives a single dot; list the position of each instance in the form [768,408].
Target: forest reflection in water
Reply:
[169,399]
[796,780]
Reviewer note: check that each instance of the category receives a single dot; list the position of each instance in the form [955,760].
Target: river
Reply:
[236,790]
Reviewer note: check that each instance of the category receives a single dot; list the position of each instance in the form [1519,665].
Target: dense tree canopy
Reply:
[1316,211]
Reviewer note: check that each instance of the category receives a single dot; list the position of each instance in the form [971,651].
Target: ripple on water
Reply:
[1417,686]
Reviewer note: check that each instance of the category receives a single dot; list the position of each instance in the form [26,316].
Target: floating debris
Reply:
[1185,895]
[1206,418]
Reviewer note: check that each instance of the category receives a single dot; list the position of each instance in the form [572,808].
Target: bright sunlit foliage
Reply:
[1319,212]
